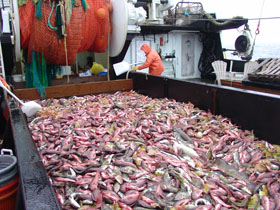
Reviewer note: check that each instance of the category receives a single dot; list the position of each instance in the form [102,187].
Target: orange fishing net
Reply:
[43,39]
[86,31]
[26,16]
[88,27]
[102,22]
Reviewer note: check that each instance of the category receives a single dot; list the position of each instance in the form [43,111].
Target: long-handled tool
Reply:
[29,108]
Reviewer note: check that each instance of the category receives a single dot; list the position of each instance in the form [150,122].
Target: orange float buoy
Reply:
[101,13]
[100,42]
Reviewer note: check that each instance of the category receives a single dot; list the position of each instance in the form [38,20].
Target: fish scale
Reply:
[124,145]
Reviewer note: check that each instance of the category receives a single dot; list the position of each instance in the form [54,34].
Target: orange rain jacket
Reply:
[153,61]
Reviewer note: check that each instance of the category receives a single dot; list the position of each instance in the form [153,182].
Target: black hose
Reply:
[207,56]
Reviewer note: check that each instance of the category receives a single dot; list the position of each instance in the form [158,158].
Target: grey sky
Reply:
[269,29]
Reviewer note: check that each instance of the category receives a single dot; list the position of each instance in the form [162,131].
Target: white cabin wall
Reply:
[173,41]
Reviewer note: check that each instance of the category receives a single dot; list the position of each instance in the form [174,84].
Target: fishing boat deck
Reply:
[234,103]
[248,86]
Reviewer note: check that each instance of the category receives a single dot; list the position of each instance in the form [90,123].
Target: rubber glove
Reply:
[135,68]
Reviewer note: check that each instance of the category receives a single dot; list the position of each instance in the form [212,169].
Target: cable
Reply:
[249,57]
[228,19]
[128,73]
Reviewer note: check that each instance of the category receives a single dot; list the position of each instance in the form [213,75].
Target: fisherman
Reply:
[153,61]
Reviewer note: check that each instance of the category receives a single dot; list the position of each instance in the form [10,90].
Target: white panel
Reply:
[119,25]
[187,69]
[186,46]
[6,3]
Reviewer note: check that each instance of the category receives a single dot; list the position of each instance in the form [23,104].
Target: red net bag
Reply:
[45,40]
[102,16]
[26,16]
[88,27]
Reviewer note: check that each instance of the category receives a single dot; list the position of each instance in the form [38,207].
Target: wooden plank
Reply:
[269,66]
[238,84]
[263,63]
[63,81]
[275,68]
[76,89]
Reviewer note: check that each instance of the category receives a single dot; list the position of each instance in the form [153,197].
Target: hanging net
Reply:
[87,25]
[26,16]
[35,74]
[44,39]
[102,22]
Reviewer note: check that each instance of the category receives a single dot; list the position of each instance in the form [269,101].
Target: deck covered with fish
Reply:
[125,150]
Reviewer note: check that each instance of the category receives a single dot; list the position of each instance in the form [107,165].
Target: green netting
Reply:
[44,77]
[38,74]
[85,5]
[38,12]
[35,79]
[21,2]
[59,22]
[28,76]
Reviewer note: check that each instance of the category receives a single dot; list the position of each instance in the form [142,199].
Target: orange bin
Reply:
[8,195]
[8,180]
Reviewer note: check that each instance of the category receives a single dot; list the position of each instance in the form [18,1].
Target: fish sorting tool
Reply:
[29,108]
[129,151]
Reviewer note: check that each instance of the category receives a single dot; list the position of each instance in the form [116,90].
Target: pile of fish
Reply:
[129,151]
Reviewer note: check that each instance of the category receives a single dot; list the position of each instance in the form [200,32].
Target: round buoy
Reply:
[101,13]
[100,42]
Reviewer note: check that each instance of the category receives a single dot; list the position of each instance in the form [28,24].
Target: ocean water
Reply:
[266,51]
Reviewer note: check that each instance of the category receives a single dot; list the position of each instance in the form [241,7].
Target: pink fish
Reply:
[245,157]
[204,207]
[138,174]
[83,180]
[274,187]
[130,197]
[60,198]
[268,203]
[97,196]
[111,195]
[219,192]
[124,163]
[124,206]
[196,193]
[94,182]
[139,185]
[256,156]
[147,200]
[160,192]
[219,201]
[61,179]
[181,203]
[266,175]
[218,207]
[228,157]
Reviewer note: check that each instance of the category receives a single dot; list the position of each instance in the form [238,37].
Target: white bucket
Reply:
[121,67]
